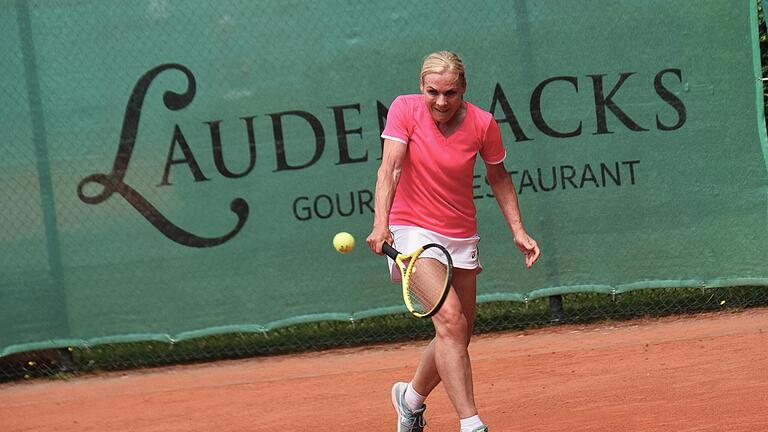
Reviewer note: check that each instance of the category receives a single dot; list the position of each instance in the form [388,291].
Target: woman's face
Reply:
[443,94]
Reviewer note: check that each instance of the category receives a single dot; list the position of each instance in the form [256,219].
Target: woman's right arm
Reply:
[386,184]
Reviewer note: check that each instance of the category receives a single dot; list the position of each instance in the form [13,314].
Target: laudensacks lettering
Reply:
[610,118]
[114,181]
[602,104]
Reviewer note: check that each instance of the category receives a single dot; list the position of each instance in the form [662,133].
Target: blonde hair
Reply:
[441,62]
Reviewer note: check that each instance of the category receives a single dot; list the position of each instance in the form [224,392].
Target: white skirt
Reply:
[464,252]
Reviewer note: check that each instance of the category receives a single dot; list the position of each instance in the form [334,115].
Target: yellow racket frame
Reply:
[407,269]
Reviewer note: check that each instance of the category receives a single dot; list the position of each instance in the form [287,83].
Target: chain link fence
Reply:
[492,317]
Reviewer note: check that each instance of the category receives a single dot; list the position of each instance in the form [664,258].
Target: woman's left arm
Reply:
[505,194]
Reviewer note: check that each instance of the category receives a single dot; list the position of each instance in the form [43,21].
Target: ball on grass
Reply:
[344,242]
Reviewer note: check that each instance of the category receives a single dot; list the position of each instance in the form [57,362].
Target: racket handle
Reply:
[389,250]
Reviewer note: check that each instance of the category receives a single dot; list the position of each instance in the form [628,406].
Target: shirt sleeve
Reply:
[492,150]
[398,122]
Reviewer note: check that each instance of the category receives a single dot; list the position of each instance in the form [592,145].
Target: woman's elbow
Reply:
[389,174]
[496,177]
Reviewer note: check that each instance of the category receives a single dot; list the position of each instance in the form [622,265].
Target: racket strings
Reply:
[427,283]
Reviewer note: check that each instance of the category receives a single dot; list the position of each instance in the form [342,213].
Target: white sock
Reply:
[413,399]
[470,424]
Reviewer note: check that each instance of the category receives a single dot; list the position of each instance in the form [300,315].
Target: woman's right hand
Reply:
[377,237]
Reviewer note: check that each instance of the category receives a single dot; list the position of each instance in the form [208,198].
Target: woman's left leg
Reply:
[446,358]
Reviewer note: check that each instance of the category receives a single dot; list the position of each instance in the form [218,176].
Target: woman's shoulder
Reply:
[407,106]
[480,118]
[478,114]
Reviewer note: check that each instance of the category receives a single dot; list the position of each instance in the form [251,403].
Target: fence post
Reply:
[47,199]
[556,309]
[66,361]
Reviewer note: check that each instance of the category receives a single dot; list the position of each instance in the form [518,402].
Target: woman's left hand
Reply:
[528,247]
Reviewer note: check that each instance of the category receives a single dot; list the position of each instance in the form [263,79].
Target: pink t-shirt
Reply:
[435,187]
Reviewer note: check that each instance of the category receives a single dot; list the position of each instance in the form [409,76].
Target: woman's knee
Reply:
[452,325]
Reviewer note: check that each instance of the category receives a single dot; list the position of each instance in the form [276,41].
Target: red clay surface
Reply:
[702,373]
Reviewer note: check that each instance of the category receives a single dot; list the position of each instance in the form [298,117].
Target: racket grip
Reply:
[389,250]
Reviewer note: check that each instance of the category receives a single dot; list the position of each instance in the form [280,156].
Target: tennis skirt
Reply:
[464,252]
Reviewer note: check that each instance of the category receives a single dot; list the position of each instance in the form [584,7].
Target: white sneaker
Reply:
[407,420]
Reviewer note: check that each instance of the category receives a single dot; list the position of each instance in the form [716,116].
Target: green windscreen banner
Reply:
[172,169]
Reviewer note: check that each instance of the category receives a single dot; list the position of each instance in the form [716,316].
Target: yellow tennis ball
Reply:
[344,242]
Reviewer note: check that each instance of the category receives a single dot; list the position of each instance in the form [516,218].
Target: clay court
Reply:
[695,373]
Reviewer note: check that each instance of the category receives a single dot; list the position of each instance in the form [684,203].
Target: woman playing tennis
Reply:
[424,195]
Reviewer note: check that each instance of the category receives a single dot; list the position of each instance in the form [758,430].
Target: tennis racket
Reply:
[427,274]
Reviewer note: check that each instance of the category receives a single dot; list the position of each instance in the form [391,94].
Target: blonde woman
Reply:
[424,195]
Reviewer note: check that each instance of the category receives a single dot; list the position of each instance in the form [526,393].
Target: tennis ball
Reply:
[344,242]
